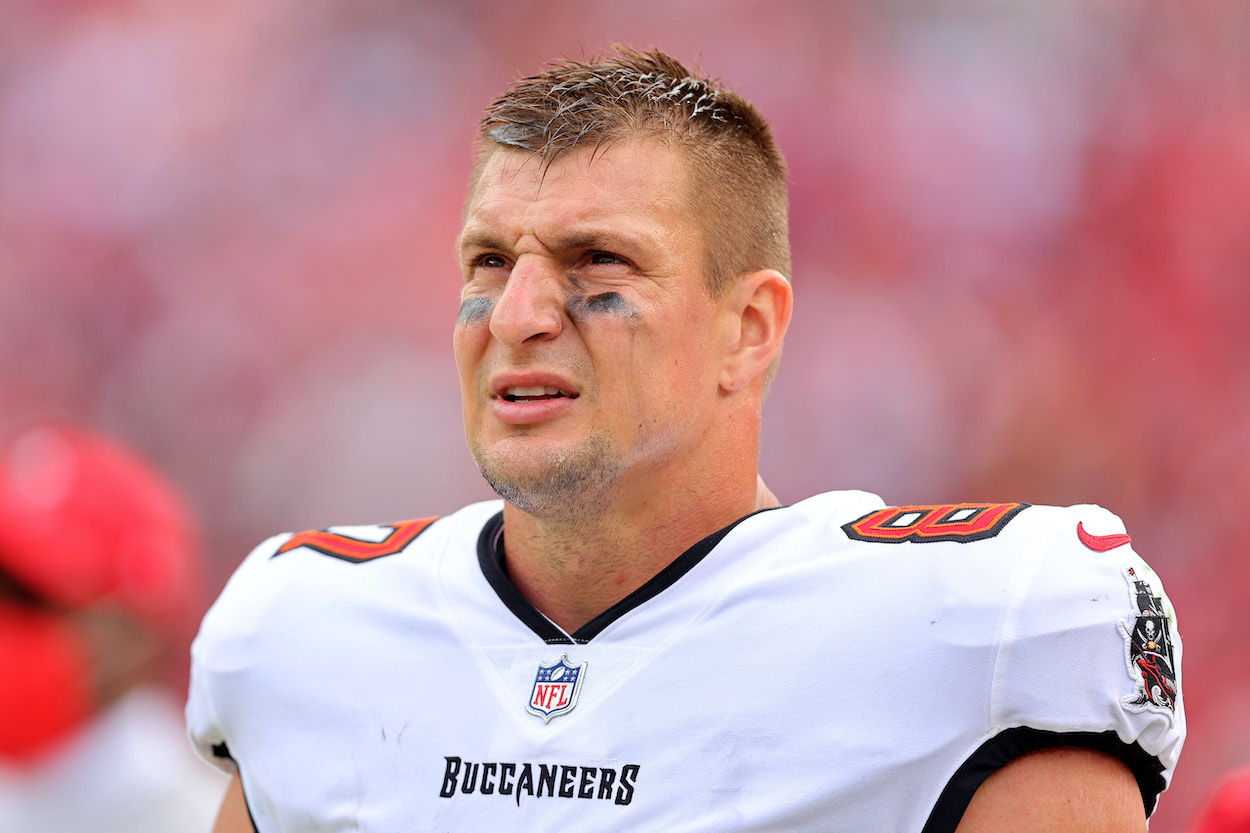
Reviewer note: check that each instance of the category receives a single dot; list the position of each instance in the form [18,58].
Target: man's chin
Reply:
[565,485]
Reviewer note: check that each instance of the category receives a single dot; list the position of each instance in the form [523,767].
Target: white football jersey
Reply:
[830,665]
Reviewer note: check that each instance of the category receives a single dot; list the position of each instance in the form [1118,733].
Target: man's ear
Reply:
[758,311]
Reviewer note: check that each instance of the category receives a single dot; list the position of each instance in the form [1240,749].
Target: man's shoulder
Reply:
[1008,551]
[364,543]
[298,570]
[1014,526]
[1079,622]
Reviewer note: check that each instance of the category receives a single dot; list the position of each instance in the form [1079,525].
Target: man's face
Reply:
[587,345]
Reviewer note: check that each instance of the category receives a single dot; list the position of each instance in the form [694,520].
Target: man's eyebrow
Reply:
[475,240]
[608,239]
[584,240]
[480,240]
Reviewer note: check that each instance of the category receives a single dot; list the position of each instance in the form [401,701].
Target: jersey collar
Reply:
[491,557]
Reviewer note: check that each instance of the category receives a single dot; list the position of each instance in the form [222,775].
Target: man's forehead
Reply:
[594,180]
[617,159]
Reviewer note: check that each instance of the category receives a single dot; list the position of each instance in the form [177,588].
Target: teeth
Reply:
[531,392]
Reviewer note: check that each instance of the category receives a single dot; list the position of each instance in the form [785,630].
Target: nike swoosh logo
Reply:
[1100,543]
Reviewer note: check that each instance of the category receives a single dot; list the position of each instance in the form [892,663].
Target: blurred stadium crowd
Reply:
[1022,259]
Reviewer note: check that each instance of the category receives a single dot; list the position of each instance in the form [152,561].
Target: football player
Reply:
[639,635]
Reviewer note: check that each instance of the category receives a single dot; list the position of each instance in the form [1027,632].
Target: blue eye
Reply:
[603,257]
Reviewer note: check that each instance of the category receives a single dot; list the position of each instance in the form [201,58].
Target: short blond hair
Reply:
[737,175]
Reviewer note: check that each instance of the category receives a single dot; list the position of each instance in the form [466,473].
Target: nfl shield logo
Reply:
[555,689]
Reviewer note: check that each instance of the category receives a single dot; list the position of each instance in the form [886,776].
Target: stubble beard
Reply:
[569,486]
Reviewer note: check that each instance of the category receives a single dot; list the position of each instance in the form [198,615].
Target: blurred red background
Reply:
[1021,232]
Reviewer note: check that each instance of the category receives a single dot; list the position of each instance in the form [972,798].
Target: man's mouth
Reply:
[535,393]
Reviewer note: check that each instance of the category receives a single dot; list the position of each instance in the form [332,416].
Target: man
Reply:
[639,636]
[99,575]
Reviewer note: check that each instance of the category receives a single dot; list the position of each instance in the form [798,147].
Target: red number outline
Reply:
[354,549]
[961,522]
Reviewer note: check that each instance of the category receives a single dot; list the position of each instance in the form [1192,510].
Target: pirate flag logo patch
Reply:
[555,689]
[1150,660]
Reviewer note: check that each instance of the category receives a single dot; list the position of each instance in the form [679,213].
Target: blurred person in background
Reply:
[1227,810]
[99,588]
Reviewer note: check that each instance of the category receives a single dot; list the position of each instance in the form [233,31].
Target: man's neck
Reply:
[574,569]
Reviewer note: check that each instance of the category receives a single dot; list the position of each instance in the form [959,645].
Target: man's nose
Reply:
[532,303]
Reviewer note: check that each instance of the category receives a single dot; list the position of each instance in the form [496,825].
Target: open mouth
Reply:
[534,394]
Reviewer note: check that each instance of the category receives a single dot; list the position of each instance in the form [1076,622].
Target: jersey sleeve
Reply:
[262,619]
[1090,654]
[223,622]
[203,724]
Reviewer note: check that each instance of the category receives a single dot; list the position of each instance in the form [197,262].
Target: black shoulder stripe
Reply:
[221,750]
[1010,744]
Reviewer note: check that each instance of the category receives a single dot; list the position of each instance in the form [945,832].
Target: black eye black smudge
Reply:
[605,302]
[474,310]
[609,302]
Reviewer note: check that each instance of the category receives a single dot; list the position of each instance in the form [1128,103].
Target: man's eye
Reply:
[603,257]
[489,262]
